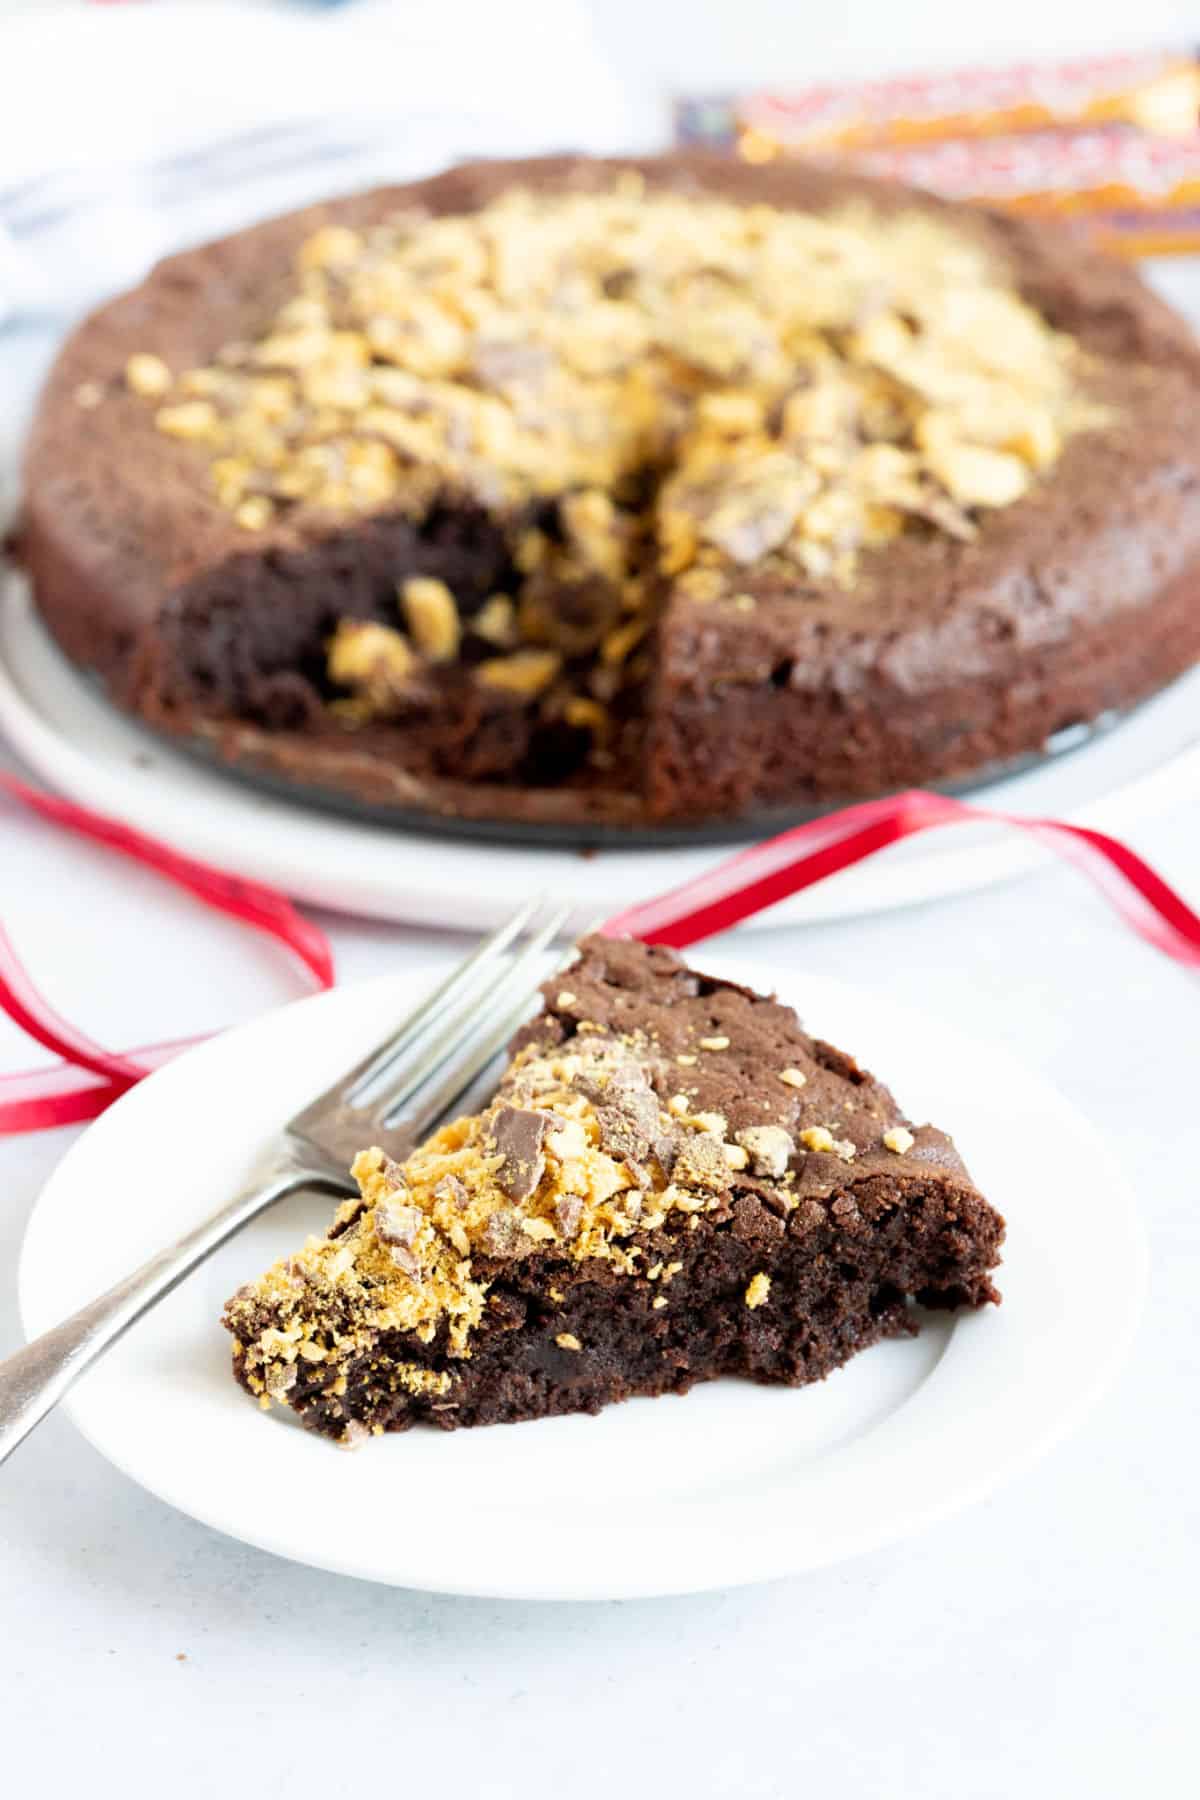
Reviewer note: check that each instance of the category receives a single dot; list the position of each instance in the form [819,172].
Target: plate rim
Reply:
[389,884]
[693,1568]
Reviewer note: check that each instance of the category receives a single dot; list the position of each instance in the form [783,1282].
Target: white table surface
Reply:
[1041,1646]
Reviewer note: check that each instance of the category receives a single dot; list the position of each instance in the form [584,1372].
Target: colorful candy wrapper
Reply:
[1137,195]
[1158,92]
[1113,142]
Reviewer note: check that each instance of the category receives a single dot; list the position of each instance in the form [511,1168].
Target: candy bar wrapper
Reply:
[1158,92]
[1112,143]
[1136,195]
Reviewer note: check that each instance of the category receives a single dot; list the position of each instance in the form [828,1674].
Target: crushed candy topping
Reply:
[817,1137]
[576,1152]
[636,384]
[770,1148]
[759,1291]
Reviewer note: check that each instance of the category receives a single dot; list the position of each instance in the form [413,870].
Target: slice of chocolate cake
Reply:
[674,1182]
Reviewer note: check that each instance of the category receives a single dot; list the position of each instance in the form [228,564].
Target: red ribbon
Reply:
[89,1077]
[768,872]
[56,1096]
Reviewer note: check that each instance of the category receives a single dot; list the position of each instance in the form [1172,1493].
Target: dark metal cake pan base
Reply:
[589,835]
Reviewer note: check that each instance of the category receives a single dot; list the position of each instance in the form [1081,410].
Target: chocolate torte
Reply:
[674,1182]
[639,491]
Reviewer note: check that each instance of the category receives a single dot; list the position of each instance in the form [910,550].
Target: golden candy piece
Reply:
[432,617]
[495,622]
[377,662]
[147,375]
[527,673]
[255,513]
[759,1290]
[191,419]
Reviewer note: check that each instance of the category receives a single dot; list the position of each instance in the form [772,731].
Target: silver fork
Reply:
[394,1097]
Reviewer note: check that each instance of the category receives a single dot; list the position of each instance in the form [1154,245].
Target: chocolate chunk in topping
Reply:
[280,1378]
[700,1162]
[452,1189]
[666,1149]
[640,1107]
[568,1210]
[612,1084]
[518,1135]
[502,1234]
[397,1224]
[621,1136]
[626,1111]
[770,1148]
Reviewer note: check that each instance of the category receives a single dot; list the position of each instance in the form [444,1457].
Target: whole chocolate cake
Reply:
[629,492]
[674,1182]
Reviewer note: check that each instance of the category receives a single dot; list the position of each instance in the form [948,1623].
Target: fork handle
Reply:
[34,1380]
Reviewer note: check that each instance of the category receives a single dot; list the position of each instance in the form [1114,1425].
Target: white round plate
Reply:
[734,1483]
[82,746]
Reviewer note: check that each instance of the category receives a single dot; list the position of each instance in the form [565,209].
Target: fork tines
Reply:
[455,1033]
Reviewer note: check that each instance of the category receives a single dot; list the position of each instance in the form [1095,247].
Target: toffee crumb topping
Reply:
[575,1153]
[643,387]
